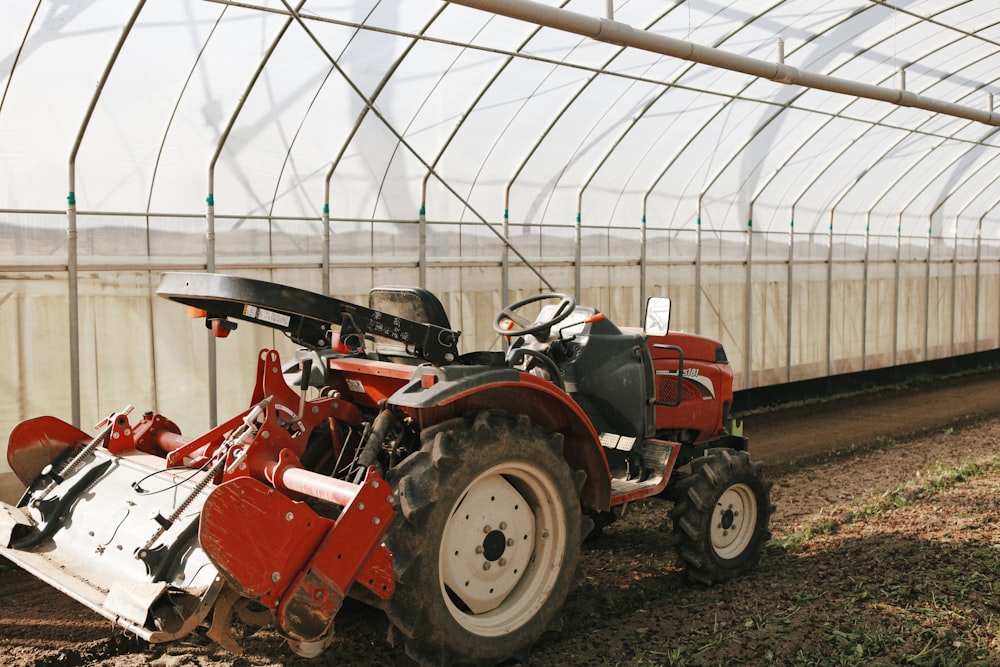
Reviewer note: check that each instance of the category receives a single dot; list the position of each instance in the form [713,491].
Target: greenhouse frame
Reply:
[813,187]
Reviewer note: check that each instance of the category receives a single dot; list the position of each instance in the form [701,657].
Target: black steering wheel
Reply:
[507,320]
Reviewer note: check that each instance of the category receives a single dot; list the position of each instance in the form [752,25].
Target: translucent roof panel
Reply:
[375,110]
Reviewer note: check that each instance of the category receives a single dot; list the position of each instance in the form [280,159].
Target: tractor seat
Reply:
[412,303]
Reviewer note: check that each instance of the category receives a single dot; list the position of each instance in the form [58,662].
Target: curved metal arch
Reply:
[72,269]
[558,117]
[305,115]
[892,186]
[240,103]
[173,114]
[930,19]
[954,264]
[805,141]
[335,162]
[529,154]
[678,155]
[876,123]
[649,105]
[980,143]
[930,231]
[637,117]
[399,137]
[977,193]
[847,147]
[791,229]
[17,54]
[787,104]
[837,200]
[369,107]
[874,204]
[943,139]
[979,265]
[213,393]
[667,86]
[696,133]
[614,32]
[477,98]
[748,350]
[505,279]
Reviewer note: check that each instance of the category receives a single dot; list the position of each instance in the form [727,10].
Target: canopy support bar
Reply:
[615,32]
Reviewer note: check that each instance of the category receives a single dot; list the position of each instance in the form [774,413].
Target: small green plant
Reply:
[926,483]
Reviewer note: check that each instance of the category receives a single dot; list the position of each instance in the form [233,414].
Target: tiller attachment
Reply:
[162,533]
[85,521]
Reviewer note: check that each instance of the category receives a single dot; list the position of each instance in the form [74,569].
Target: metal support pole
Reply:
[927,296]
[422,241]
[864,297]
[72,269]
[213,392]
[73,289]
[578,258]
[979,270]
[213,387]
[748,324]
[954,290]
[697,273]
[789,298]
[326,247]
[642,269]
[895,302]
[505,260]
[829,298]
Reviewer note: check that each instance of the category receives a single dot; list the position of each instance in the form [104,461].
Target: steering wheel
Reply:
[509,316]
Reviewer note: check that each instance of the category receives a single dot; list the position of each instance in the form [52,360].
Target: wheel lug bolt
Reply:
[510,541]
[502,562]
[487,529]
[486,565]
[479,549]
[503,525]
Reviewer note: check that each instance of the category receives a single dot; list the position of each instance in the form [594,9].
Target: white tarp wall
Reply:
[338,146]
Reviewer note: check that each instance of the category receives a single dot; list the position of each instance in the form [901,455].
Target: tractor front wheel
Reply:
[487,543]
[721,515]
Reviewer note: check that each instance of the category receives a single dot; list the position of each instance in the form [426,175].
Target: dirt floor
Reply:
[884,553]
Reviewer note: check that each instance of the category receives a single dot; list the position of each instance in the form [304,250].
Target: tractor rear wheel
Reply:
[721,515]
[487,542]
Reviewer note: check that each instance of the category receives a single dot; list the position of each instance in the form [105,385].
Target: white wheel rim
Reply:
[502,549]
[734,520]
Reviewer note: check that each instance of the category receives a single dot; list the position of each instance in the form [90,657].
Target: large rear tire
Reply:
[721,516]
[487,543]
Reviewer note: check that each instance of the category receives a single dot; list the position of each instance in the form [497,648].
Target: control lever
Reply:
[305,364]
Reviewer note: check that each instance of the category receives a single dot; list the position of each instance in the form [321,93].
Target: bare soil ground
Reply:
[884,553]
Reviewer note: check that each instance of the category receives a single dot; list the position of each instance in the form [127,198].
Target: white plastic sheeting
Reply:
[339,145]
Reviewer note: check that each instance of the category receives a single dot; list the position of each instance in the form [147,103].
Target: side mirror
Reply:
[657,319]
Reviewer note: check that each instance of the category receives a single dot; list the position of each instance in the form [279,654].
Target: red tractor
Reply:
[451,490]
